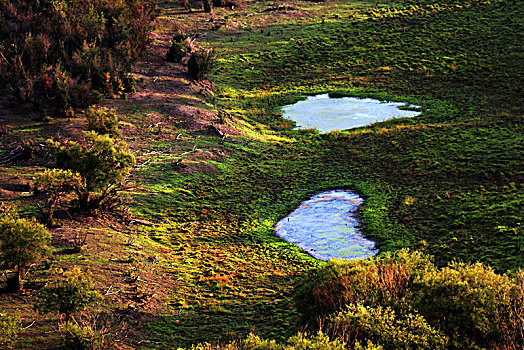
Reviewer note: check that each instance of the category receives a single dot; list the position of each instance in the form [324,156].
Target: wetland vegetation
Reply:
[184,252]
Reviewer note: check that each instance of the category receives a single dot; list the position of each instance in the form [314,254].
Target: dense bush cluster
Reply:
[200,61]
[22,242]
[100,161]
[402,301]
[181,46]
[67,293]
[9,329]
[65,53]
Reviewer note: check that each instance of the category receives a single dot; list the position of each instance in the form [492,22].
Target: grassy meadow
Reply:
[200,263]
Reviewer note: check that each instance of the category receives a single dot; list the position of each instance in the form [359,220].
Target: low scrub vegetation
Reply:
[402,301]
[103,121]
[103,164]
[9,330]
[201,63]
[22,242]
[67,293]
[63,54]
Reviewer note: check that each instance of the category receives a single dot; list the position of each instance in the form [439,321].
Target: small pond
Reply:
[325,228]
[327,114]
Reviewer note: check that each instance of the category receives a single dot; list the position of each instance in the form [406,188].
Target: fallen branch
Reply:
[31,325]
[217,131]
[17,152]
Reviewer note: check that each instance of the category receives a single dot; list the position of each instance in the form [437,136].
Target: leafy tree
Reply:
[9,329]
[68,292]
[102,162]
[57,183]
[22,242]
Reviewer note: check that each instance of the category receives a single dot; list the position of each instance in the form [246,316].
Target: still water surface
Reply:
[327,114]
[325,227]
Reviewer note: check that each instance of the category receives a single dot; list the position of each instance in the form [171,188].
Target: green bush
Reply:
[473,305]
[181,47]
[67,293]
[384,327]
[404,293]
[77,337]
[200,63]
[56,183]
[386,280]
[300,341]
[22,242]
[102,162]
[103,121]
[9,329]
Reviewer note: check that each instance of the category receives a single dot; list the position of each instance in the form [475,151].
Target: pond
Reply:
[325,227]
[327,114]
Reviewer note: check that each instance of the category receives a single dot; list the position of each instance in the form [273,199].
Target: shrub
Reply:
[384,327]
[200,63]
[181,47]
[208,6]
[22,241]
[9,329]
[179,50]
[103,121]
[92,332]
[77,337]
[386,280]
[57,183]
[51,51]
[300,341]
[404,293]
[102,162]
[67,293]
[472,304]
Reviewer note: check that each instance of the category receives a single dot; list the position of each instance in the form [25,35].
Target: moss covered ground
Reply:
[448,182]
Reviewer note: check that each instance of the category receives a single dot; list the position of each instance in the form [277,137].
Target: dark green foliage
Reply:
[77,337]
[68,292]
[9,329]
[22,242]
[181,47]
[208,6]
[62,54]
[103,121]
[403,302]
[201,62]
[102,162]
[56,183]
[218,3]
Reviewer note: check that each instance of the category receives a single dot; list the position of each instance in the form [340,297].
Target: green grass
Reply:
[448,182]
